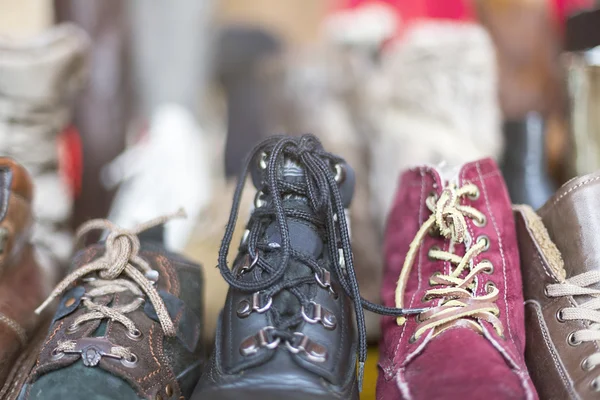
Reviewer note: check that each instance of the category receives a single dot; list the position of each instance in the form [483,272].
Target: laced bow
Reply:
[119,269]
[321,190]
[457,290]
[581,285]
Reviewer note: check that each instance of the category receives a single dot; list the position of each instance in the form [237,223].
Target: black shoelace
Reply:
[321,190]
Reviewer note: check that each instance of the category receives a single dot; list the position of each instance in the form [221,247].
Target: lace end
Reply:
[412,311]
[41,308]
[361,374]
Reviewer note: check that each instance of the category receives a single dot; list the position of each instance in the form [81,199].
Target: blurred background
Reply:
[135,108]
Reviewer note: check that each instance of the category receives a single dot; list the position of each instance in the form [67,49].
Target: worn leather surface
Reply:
[270,372]
[162,361]
[23,285]
[15,211]
[572,219]
[465,364]
[554,365]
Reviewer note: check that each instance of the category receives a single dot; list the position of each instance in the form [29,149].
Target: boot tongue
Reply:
[303,236]
[572,218]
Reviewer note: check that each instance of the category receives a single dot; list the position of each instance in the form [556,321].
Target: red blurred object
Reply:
[563,8]
[71,159]
[408,10]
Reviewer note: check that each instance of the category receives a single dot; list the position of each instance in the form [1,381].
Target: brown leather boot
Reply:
[23,283]
[560,262]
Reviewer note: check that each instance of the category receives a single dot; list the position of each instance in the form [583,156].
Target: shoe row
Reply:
[481,299]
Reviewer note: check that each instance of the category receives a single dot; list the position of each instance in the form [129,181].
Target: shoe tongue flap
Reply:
[572,218]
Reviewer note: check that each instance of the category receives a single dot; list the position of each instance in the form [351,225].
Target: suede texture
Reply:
[465,364]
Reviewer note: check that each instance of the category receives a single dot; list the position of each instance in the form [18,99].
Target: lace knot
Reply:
[121,247]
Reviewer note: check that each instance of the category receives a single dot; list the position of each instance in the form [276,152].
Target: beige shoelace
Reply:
[119,269]
[580,285]
[459,305]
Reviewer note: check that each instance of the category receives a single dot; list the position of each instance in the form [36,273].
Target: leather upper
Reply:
[15,211]
[571,219]
[164,366]
[23,284]
[321,363]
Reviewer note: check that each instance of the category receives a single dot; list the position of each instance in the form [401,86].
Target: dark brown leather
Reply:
[22,289]
[572,217]
[23,285]
[15,211]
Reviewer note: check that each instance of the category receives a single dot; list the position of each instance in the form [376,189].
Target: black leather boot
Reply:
[287,328]
[525,163]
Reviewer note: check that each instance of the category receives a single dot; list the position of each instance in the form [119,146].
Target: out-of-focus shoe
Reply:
[166,170]
[23,283]
[128,325]
[38,81]
[525,163]
[451,246]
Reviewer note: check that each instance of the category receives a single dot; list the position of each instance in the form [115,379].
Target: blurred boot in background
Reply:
[525,165]
[583,69]
[103,111]
[170,46]
[39,79]
[435,100]
[240,53]
[526,36]
[24,283]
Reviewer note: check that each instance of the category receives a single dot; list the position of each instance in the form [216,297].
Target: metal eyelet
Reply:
[559,315]
[480,224]
[253,344]
[246,306]
[136,334]
[262,163]
[595,385]
[434,248]
[489,286]
[325,282]
[259,199]
[586,366]
[245,237]
[490,269]
[73,328]
[433,195]
[340,173]
[474,196]
[131,362]
[571,340]
[247,268]
[57,354]
[412,339]
[320,314]
[152,275]
[546,291]
[313,351]
[486,240]
[169,390]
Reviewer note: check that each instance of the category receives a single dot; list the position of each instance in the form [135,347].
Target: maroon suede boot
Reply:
[451,245]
